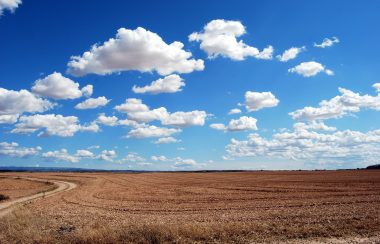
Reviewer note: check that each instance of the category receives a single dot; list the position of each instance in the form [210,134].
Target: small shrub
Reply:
[3,197]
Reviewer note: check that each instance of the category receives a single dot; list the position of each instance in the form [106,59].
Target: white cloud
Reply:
[60,156]
[255,101]
[107,120]
[308,69]
[241,124]
[107,155]
[133,158]
[168,84]
[218,126]
[137,49]
[377,87]
[327,42]
[63,155]
[14,103]
[184,162]
[152,131]
[166,140]
[85,154]
[159,158]
[346,103]
[184,119]
[219,38]
[8,118]
[310,146]
[57,86]
[132,105]
[290,54]
[92,103]
[140,112]
[51,124]
[313,125]
[14,150]
[10,5]
[234,111]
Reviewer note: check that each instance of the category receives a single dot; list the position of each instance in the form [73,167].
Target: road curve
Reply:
[62,186]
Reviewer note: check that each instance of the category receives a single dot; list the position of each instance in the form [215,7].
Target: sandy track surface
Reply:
[62,186]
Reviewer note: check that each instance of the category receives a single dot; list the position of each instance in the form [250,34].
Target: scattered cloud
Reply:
[166,140]
[140,112]
[255,101]
[234,111]
[308,69]
[92,103]
[311,146]
[107,155]
[219,38]
[51,124]
[327,42]
[57,86]
[242,124]
[290,54]
[9,5]
[133,158]
[168,84]
[137,49]
[346,103]
[107,120]
[152,131]
[14,103]
[377,87]
[13,149]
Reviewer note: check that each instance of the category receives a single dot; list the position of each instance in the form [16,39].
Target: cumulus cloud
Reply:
[60,156]
[159,158]
[308,69]
[327,42]
[168,84]
[219,38]
[133,158]
[255,101]
[184,119]
[137,49]
[290,54]
[51,124]
[140,112]
[345,103]
[9,5]
[14,103]
[57,86]
[152,131]
[13,149]
[311,146]
[241,124]
[184,162]
[92,103]
[107,155]
[63,155]
[8,118]
[377,87]
[107,120]
[166,140]
[234,111]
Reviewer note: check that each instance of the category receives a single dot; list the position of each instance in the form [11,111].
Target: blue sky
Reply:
[302,79]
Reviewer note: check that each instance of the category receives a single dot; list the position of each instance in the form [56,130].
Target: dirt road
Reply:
[62,186]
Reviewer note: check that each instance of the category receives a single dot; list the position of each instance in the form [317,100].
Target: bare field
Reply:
[242,207]
[17,187]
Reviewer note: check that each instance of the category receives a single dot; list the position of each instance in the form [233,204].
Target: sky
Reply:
[165,85]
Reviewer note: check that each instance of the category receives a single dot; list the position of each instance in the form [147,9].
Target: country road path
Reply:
[62,186]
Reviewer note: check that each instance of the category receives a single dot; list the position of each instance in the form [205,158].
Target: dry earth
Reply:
[243,207]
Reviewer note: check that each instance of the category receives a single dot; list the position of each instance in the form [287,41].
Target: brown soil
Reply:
[17,187]
[246,207]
